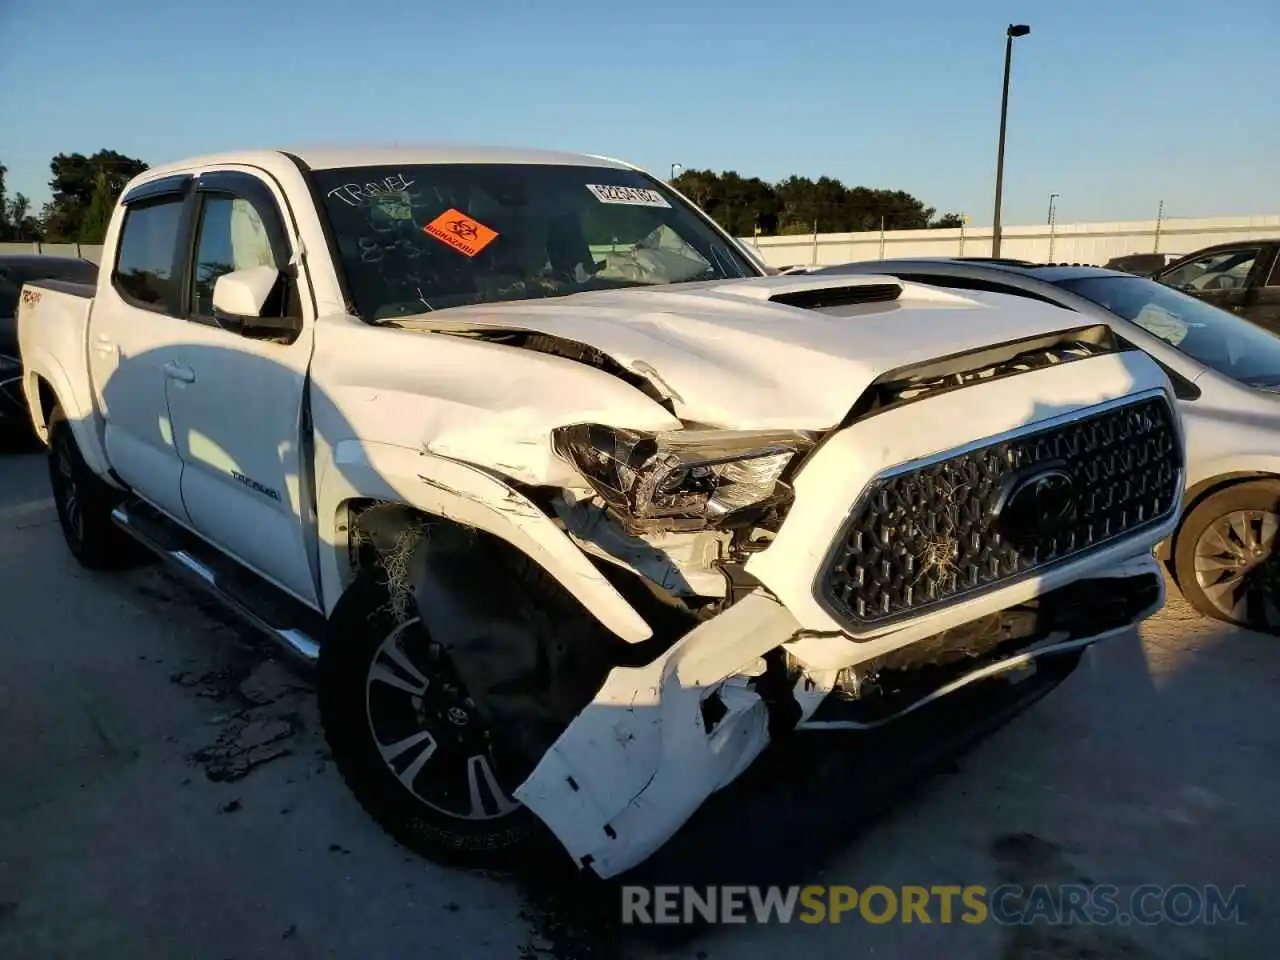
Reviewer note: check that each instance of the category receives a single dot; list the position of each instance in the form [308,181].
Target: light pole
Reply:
[1014,30]
[1053,197]
[674,168]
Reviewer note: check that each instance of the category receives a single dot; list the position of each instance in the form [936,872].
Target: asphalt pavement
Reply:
[165,792]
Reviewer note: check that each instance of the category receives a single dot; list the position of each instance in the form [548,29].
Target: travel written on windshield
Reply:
[429,237]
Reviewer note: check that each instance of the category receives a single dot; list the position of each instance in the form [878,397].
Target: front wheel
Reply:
[409,741]
[1227,559]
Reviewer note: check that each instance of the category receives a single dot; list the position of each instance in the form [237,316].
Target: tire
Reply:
[1227,555]
[427,804]
[84,503]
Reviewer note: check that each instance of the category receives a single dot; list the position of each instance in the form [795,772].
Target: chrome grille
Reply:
[943,531]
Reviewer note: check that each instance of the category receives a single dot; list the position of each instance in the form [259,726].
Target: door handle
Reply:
[104,345]
[179,371]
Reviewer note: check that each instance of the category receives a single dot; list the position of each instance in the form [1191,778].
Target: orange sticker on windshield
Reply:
[460,232]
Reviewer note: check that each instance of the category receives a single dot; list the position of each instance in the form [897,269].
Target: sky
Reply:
[1114,104]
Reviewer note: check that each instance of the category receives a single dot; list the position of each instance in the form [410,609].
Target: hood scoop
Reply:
[840,296]
[816,293]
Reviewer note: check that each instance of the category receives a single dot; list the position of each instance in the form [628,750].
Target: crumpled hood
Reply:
[729,357]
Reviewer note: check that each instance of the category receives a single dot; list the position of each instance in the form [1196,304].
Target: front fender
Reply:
[76,402]
[1243,466]
[456,491]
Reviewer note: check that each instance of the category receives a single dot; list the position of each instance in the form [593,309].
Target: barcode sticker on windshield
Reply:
[630,196]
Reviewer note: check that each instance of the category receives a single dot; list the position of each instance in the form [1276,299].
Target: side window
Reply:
[1274,280]
[1223,270]
[231,236]
[148,247]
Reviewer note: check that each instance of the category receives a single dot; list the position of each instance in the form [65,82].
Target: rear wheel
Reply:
[408,738]
[1227,558]
[84,503]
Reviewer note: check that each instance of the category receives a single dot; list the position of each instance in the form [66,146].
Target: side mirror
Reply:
[244,293]
[241,297]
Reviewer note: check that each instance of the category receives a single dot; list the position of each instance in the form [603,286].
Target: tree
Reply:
[799,205]
[738,204]
[22,225]
[93,228]
[75,180]
[951,220]
[744,204]
[5,227]
[697,185]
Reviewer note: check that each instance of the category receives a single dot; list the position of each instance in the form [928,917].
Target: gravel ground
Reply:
[165,792]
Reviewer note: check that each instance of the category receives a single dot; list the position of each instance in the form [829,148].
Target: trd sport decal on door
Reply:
[255,485]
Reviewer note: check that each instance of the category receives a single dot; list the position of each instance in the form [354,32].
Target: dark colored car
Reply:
[15,270]
[1142,264]
[1242,277]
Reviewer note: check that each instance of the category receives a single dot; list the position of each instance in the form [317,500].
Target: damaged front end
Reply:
[969,519]
[657,740]
[874,692]
[949,573]
[686,480]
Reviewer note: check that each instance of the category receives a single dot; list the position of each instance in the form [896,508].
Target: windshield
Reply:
[1214,337]
[417,238]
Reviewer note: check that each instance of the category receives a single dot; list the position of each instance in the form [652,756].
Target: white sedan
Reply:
[1225,555]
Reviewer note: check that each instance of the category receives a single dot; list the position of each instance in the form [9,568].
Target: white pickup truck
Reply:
[575,506]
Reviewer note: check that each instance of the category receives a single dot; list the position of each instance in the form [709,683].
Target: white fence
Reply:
[1064,242]
[1094,243]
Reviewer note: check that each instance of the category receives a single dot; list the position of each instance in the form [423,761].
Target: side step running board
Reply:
[249,597]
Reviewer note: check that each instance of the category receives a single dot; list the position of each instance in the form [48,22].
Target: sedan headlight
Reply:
[686,479]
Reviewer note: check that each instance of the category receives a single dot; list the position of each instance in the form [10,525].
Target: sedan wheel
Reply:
[1237,569]
[1227,555]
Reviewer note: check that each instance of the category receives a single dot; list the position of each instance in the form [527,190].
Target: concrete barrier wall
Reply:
[1066,242]
[1069,242]
[89,251]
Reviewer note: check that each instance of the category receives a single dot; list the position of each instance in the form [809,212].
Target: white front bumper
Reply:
[639,760]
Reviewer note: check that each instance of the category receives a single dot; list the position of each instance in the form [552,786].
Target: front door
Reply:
[238,412]
[1263,304]
[1221,277]
[134,330]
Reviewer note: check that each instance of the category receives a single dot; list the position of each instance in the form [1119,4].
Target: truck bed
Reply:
[69,287]
[53,327]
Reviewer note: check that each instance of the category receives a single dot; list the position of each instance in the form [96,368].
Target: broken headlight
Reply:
[685,479]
